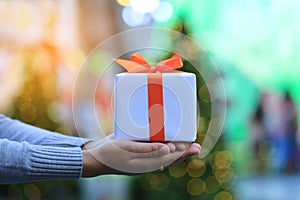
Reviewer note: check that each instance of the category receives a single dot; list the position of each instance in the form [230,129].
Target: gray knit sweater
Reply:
[28,153]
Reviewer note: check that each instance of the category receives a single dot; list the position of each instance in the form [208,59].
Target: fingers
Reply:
[171,146]
[181,146]
[183,151]
[140,147]
[158,153]
[194,149]
[154,163]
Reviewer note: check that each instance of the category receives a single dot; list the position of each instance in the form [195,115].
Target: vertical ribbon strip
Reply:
[156,107]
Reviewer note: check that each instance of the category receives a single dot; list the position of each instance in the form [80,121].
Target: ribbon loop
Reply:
[138,64]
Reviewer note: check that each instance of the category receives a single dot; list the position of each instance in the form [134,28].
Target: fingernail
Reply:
[172,147]
[181,147]
[196,150]
[164,149]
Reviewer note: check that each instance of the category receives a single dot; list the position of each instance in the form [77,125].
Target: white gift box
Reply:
[179,109]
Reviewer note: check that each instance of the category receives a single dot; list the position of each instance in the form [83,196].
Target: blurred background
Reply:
[254,45]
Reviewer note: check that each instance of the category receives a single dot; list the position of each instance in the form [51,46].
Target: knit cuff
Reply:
[52,163]
[59,140]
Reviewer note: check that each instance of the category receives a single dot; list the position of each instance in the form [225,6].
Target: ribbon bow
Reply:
[138,64]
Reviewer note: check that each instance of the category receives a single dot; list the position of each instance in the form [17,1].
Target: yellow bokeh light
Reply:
[178,170]
[196,164]
[73,58]
[196,168]
[204,94]
[48,87]
[196,186]
[159,181]
[31,191]
[23,106]
[211,158]
[212,185]
[223,196]
[64,130]
[224,176]
[200,138]
[221,164]
[124,2]
[30,114]
[203,125]
[221,160]
[225,155]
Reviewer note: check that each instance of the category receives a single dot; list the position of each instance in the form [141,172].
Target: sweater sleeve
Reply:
[15,130]
[24,162]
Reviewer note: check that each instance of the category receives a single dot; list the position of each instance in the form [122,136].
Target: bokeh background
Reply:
[255,46]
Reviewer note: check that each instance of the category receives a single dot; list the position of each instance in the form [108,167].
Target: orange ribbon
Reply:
[138,64]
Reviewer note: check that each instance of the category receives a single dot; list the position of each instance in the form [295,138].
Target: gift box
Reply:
[154,104]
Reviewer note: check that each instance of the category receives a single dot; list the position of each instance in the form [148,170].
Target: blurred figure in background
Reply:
[289,126]
[281,127]
[272,122]
[259,137]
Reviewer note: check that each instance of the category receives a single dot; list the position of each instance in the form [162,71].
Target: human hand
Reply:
[109,156]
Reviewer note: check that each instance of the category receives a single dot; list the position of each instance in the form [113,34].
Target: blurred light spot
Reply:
[207,144]
[97,61]
[223,196]
[14,192]
[42,55]
[30,114]
[212,91]
[178,170]
[203,124]
[211,158]
[23,106]
[32,192]
[221,160]
[124,2]
[144,6]
[159,181]
[54,112]
[223,176]
[204,94]
[196,168]
[200,138]
[64,130]
[73,58]
[225,155]
[216,126]
[30,88]
[163,12]
[48,87]
[221,164]
[212,185]
[133,18]
[196,186]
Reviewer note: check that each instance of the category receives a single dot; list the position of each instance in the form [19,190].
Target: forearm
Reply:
[15,130]
[23,162]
